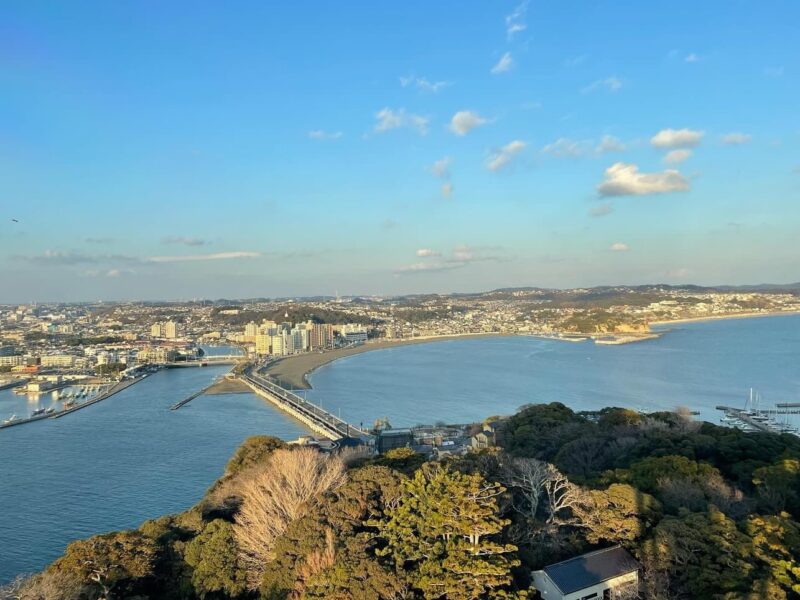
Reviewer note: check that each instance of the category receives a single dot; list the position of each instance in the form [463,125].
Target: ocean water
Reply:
[119,462]
[699,365]
[129,458]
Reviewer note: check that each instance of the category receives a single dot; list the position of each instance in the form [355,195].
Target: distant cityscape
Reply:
[106,338]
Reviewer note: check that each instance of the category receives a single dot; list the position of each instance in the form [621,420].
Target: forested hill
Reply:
[710,513]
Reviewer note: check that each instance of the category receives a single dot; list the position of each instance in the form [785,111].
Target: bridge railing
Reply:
[319,414]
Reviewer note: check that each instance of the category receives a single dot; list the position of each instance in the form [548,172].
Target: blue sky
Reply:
[166,150]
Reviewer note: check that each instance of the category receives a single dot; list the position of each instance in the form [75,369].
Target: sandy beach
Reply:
[749,315]
[293,371]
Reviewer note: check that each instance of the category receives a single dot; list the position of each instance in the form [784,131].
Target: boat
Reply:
[50,411]
[37,412]
[10,420]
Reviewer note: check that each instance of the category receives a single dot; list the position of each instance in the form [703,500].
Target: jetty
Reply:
[188,399]
[114,389]
[314,417]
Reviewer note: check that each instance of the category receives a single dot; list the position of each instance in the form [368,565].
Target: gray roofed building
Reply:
[607,573]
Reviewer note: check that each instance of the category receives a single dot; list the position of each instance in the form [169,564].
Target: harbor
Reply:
[753,417]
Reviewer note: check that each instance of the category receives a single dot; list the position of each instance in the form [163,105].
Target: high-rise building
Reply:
[251,329]
[278,344]
[321,336]
[263,344]
[157,330]
[172,330]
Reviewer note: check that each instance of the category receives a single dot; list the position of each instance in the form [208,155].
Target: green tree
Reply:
[214,557]
[776,542]
[620,513]
[254,450]
[778,485]
[113,563]
[704,554]
[441,532]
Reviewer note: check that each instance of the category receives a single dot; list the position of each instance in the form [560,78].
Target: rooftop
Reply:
[590,569]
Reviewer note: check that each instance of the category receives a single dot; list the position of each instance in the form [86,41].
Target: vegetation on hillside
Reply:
[710,512]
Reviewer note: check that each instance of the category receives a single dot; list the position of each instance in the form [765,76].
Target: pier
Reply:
[313,416]
[188,399]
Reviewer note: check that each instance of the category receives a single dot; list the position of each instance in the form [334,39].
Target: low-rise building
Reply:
[607,573]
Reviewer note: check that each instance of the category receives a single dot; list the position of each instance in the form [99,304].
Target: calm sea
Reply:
[699,365]
[130,458]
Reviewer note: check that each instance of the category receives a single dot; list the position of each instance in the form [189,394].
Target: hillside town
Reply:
[107,338]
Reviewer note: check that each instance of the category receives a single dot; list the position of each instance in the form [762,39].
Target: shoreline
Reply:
[750,315]
[294,371]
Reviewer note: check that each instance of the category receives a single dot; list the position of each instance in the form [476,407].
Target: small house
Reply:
[607,573]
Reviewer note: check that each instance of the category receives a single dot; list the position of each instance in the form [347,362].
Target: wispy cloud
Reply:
[515,22]
[465,121]
[622,179]
[575,61]
[609,143]
[69,258]
[601,210]
[735,138]
[184,241]
[459,257]
[427,253]
[503,65]
[320,134]
[504,156]
[441,168]
[204,257]
[422,84]
[99,240]
[676,157]
[619,247]
[677,138]
[447,189]
[389,119]
[610,84]
[567,148]
[691,58]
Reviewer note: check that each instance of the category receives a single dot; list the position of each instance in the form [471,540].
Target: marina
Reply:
[753,417]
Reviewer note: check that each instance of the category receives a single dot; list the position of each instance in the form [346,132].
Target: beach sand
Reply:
[293,371]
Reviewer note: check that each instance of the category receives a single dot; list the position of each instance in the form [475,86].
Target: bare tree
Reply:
[313,564]
[284,490]
[528,476]
[562,496]
[47,585]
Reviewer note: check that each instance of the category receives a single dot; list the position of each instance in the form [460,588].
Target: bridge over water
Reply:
[318,419]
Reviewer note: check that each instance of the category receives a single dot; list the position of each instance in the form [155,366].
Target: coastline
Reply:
[294,371]
[748,315]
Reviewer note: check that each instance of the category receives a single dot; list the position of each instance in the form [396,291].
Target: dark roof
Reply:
[590,569]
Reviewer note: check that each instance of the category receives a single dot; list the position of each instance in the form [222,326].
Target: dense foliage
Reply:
[709,512]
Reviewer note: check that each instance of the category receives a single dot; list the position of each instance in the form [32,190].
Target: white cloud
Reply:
[389,119]
[736,138]
[441,168]
[447,189]
[427,252]
[609,143]
[611,84]
[601,210]
[203,257]
[691,58]
[422,84]
[678,273]
[465,121]
[676,157]
[515,22]
[623,179]
[567,148]
[619,247]
[503,157]
[461,256]
[319,134]
[504,64]
[677,138]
